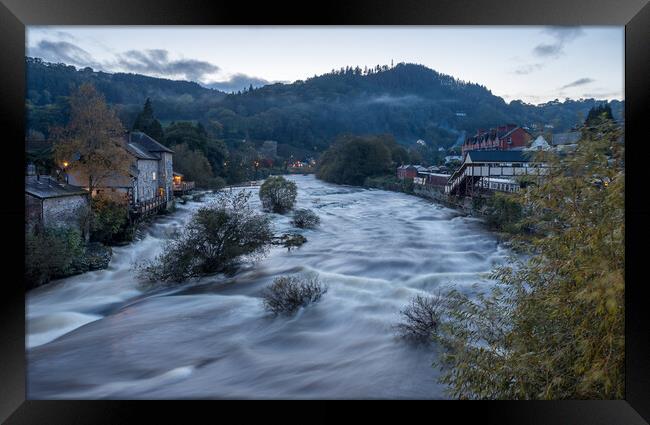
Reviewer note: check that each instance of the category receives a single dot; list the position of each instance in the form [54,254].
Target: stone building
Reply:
[50,203]
[150,182]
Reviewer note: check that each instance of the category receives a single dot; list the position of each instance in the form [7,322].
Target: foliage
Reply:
[278,194]
[553,328]
[196,139]
[89,147]
[195,167]
[504,212]
[351,159]
[409,101]
[288,293]
[305,219]
[420,318]
[50,253]
[110,220]
[390,182]
[217,236]
[148,124]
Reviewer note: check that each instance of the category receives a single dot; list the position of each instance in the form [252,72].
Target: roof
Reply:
[498,156]
[139,151]
[147,142]
[176,173]
[566,138]
[46,187]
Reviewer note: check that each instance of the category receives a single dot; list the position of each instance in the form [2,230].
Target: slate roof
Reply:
[146,142]
[499,156]
[566,138]
[46,187]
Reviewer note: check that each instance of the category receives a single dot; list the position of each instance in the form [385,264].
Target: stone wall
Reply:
[65,211]
[147,186]
[166,170]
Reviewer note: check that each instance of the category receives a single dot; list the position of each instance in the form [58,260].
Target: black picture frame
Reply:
[633,14]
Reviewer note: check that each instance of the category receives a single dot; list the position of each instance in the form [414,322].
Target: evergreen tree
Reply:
[147,123]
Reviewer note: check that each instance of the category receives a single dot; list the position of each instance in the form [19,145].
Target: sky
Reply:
[534,64]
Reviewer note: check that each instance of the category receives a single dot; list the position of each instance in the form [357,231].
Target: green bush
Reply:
[216,237]
[278,194]
[305,219]
[50,253]
[110,221]
[504,212]
[288,293]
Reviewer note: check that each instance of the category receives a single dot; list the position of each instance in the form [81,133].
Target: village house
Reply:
[51,203]
[565,141]
[539,144]
[407,171]
[506,137]
[150,183]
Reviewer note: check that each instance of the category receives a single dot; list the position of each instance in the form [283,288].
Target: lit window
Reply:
[153,177]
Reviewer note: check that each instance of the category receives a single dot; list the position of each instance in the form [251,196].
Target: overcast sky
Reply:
[534,64]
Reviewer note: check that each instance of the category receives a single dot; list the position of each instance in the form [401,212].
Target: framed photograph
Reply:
[399,202]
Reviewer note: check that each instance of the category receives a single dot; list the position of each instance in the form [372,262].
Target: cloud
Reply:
[237,82]
[561,36]
[527,69]
[63,51]
[579,82]
[157,61]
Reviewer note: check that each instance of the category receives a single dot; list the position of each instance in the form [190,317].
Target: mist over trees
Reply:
[408,101]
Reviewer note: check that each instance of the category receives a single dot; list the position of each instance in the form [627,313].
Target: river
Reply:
[99,335]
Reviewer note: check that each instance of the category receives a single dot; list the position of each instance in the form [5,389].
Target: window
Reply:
[153,176]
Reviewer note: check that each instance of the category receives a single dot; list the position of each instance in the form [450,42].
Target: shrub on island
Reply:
[278,194]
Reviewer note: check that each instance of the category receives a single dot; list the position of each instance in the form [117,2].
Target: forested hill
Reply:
[408,101]
[50,84]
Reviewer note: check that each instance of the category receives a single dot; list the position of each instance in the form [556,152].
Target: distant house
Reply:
[432,180]
[50,203]
[506,137]
[451,158]
[151,178]
[539,144]
[407,172]
[565,141]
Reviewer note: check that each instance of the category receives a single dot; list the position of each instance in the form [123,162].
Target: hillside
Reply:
[408,101]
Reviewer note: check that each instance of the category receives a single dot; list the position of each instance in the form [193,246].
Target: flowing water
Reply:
[99,335]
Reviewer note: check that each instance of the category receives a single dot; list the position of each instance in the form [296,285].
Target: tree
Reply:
[351,159]
[91,144]
[278,194]
[553,328]
[148,124]
[215,239]
[195,167]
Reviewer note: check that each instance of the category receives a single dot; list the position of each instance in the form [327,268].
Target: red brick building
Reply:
[505,137]
[407,172]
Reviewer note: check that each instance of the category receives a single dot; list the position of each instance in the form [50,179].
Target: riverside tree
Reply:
[90,145]
[278,194]
[553,328]
[216,238]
